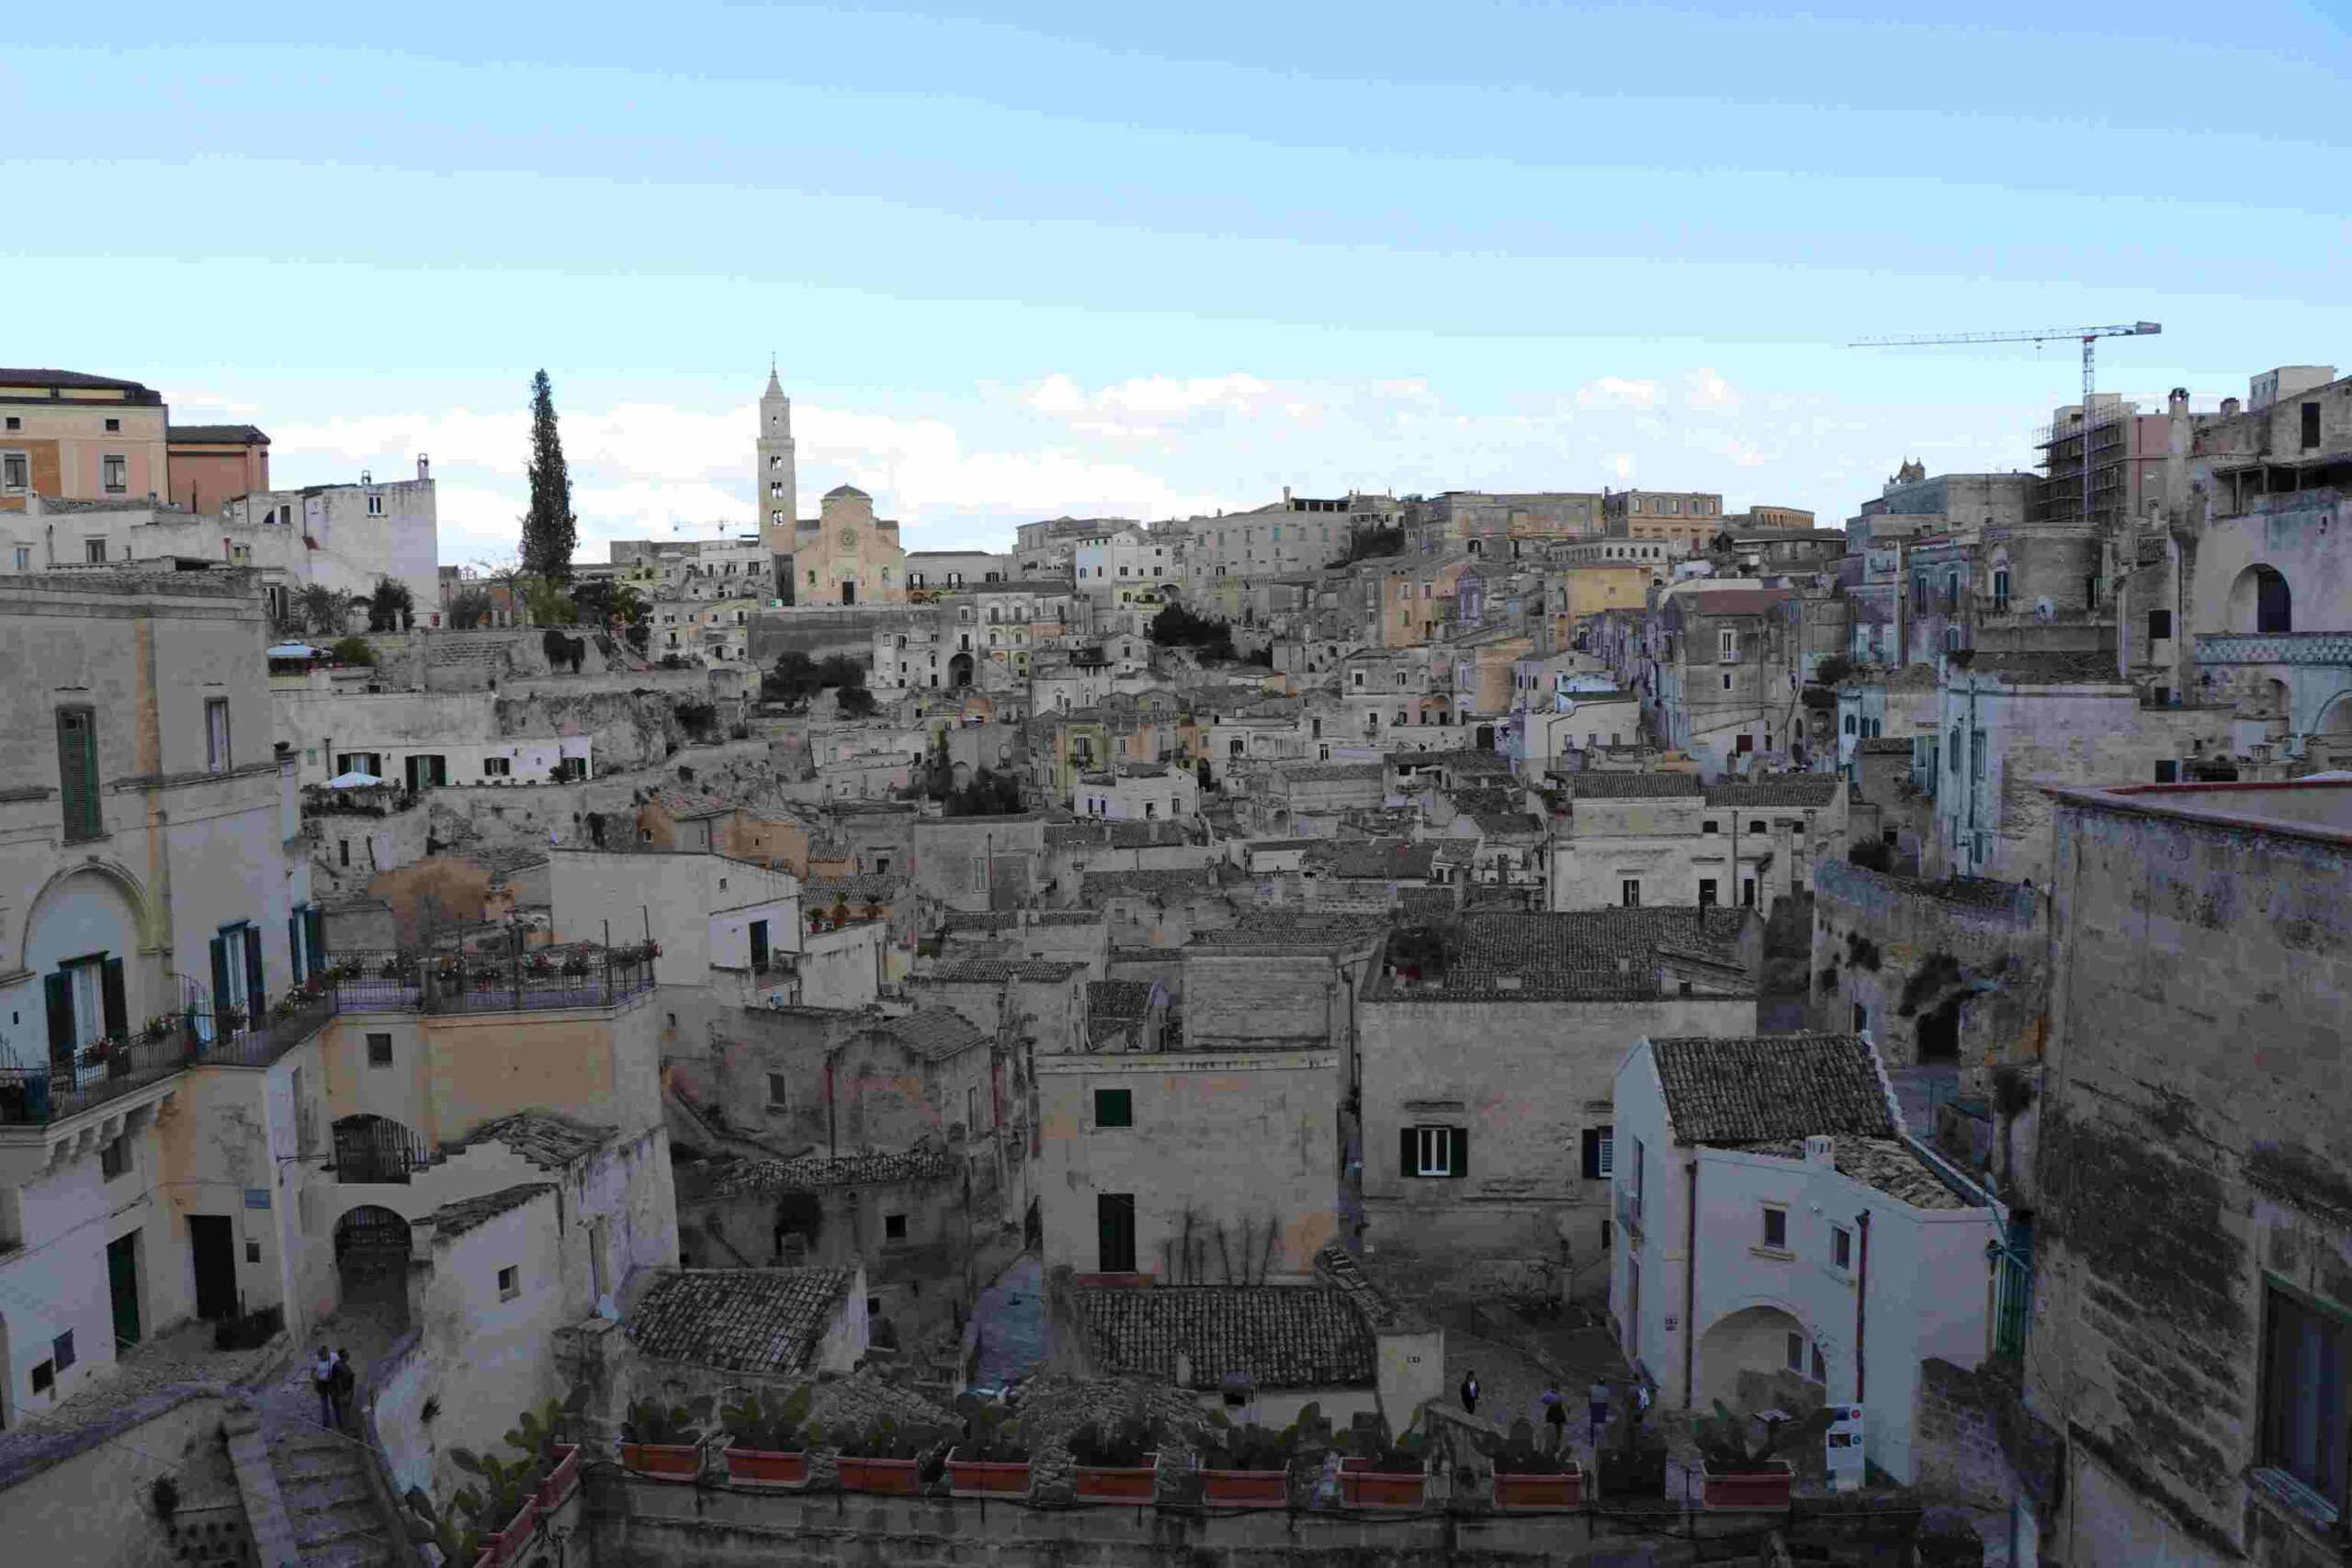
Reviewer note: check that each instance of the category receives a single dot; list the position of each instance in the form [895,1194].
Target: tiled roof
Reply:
[1510,824]
[1065,918]
[1582,954]
[997,970]
[1334,773]
[467,1214]
[1100,884]
[811,1173]
[77,378]
[932,1033]
[1770,1086]
[1117,999]
[1374,860]
[1886,1163]
[548,1140]
[1279,929]
[1276,1335]
[240,434]
[870,887]
[1629,786]
[2053,668]
[744,1320]
[1732,601]
[1789,789]
[980,919]
[1885,745]
[1114,835]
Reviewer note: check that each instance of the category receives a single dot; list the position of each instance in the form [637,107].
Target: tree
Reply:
[325,609]
[353,651]
[989,794]
[855,702]
[608,603]
[841,670]
[1371,539]
[548,604]
[549,529]
[391,608]
[794,680]
[468,608]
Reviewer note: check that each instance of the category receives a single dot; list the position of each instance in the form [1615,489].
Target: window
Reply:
[497,767]
[1841,1246]
[971,1110]
[375,503]
[759,946]
[1850,724]
[78,772]
[1708,825]
[94,551]
[2000,588]
[16,473]
[1599,1152]
[2159,625]
[216,735]
[1434,1151]
[1114,1108]
[1776,1228]
[60,1350]
[1861,1019]
[116,472]
[1114,1239]
[2168,773]
[114,1157]
[379,1049]
[2310,425]
[509,1283]
[1796,1351]
[2302,1397]
[1630,893]
[1976,753]
[1706,892]
[24,558]
[14,423]
[894,1227]
[114,426]
[1726,645]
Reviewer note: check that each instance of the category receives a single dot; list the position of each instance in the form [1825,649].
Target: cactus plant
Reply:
[1722,1440]
[1515,1453]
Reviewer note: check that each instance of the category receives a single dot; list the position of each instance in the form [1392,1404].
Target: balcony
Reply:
[2274,648]
[42,1096]
[576,975]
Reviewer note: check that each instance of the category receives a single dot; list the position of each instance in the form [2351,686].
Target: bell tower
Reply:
[775,481]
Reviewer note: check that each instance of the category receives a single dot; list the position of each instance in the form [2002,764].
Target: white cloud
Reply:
[1621,463]
[1616,393]
[1708,390]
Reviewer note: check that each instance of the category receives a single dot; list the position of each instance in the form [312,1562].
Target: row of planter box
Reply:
[1359,1485]
[553,1491]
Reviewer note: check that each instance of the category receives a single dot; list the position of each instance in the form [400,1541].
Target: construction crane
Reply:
[2089,338]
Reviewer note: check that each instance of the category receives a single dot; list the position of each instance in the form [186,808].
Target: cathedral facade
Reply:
[844,554]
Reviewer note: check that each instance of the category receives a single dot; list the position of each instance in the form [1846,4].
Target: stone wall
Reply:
[818,630]
[1907,951]
[652,1524]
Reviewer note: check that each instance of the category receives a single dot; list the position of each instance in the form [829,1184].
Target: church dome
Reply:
[848,491]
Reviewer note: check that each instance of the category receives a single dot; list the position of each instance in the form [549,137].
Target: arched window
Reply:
[1850,724]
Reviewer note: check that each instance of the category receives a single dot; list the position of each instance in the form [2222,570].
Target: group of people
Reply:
[335,1383]
[1556,1409]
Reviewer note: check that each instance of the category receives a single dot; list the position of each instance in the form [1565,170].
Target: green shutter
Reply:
[294,943]
[60,989]
[1457,1163]
[314,934]
[116,1005]
[1408,1150]
[256,993]
[78,772]
[220,974]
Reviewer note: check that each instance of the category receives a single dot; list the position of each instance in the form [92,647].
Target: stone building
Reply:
[1486,1056]
[2192,1247]
[1724,672]
[846,555]
[1693,517]
[1631,840]
[75,437]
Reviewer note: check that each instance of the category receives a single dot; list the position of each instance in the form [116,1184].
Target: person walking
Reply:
[346,1384]
[1598,1398]
[1470,1391]
[1555,1417]
[323,1385]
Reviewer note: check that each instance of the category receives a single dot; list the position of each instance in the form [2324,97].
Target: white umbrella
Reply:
[354,780]
[291,650]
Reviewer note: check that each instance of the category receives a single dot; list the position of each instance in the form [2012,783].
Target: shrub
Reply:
[353,651]
[1122,1444]
[780,1430]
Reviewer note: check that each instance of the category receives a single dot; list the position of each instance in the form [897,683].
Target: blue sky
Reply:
[1140,260]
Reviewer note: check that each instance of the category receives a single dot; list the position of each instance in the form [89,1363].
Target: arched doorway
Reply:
[2261,602]
[1759,1357]
[371,1254]
[959,671]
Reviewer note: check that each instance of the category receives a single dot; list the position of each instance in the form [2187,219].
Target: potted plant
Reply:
[1740,1473]
[158,1027]
[1249,1467]
[1381,1472]
[885,1457]
[505,1509]
[1528,1477]
[992,1458]
[537,1434]
[1637,1466]
[230,1017]
[575,964]
[662,1440]
[1118,1461]
[767,1446]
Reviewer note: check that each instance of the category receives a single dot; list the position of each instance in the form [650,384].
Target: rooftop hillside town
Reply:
[1595,1025]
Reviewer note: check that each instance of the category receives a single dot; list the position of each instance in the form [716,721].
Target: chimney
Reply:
[2230,406]
[366,478]
[1286,495]
[2176,404]
[1819,1150]
[423,467]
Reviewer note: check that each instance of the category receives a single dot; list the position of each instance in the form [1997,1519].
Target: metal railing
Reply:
[507,978]
[42,1095]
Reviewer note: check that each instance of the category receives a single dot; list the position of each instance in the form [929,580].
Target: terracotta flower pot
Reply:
[562,1481]
[1767,1488]
[1246,1488]
[764,1467]
[1361,1487]
[986,1478]
[666,1462]
[1513,1490]
[1119,1484]
[894,1476]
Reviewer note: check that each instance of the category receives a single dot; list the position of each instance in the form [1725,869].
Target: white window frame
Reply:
[1433,1149]
[1604,1157]
[217,751]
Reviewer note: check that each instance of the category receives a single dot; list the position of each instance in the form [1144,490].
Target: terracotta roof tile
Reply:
[1764,1088]
[1276,1335]
[747,1320]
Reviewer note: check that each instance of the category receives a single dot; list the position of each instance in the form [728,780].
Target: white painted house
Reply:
[1822,1256]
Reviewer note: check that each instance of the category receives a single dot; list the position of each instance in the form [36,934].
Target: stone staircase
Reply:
[332,1513]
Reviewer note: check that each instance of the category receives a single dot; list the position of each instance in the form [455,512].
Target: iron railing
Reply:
[2013,1293]
[517,979]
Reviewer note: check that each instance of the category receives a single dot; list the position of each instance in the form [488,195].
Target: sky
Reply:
[1146,262]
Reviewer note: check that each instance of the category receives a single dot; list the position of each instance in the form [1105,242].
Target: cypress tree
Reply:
[549,530]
